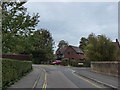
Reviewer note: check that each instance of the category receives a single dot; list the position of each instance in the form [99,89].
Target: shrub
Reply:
[39,56]
[0,73]
[65,61]
[87,64]
[14,69]
[74,64]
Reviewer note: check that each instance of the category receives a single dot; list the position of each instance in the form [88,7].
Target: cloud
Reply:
[72,0]
[71,21]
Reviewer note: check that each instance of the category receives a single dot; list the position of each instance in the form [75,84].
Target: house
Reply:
[70,52]
[60,52]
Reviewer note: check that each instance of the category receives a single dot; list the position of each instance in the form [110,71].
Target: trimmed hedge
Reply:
[13,70]
[0,73]
[85,64]
[66,61]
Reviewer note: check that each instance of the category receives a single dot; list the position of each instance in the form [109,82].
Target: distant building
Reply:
[70,52]
[60,52]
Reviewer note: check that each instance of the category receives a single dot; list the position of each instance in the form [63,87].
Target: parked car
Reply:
[56,62]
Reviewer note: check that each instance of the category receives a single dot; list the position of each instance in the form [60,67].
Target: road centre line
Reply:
[45,80]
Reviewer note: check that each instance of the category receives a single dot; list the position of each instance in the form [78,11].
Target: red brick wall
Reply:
[16,57]
[73,54]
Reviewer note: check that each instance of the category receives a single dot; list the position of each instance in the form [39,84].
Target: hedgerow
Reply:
[13,70]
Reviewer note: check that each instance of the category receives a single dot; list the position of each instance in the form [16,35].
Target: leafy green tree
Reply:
[62,43]
[100,48]
[19,35]
[16,22]
[83,43]
[117,45]
[39,56]
[43,45]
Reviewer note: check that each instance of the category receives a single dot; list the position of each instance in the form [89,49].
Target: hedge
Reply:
[13,70]
[66,61]
[0,73]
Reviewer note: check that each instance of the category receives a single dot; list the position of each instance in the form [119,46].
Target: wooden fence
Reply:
[16,57]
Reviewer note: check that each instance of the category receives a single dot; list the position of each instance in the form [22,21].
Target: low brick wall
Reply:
[16,57]
[107,67]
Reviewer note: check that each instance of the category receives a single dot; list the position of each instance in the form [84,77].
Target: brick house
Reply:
[60,52]
[70,52]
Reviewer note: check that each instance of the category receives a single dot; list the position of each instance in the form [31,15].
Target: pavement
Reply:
[52,77]
[106,80]
[33,80]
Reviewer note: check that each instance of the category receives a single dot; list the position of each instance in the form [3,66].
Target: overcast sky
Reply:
[70,21]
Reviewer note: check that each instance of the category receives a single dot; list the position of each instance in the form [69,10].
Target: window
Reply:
[68,53]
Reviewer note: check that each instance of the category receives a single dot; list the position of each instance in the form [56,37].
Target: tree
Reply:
[117,45]
[16,22]
[43,45]
[83,43]
[99,48]
[62,43]
[39,56]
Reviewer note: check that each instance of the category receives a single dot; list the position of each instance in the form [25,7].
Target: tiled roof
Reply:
[62,49]
[77,49]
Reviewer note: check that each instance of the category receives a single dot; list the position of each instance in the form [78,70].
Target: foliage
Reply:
[62,43]
[99,48]
[74,63]
[1,73]
[83,43]
[43,46]
[17,24]
[117,45]
[39,56]
[14,69]
[19,35]
[65,61]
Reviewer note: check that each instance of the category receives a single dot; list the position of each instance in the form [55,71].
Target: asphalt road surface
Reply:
[49,76]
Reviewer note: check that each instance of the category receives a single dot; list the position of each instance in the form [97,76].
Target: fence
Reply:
[16,57]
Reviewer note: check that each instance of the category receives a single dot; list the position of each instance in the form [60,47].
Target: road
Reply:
[49,76]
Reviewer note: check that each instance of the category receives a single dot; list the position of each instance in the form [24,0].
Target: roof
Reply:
[77,49]
[62,50]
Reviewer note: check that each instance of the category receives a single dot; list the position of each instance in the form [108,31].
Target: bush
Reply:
[74,64]
[0,73]
[87,64]
[65,61]
[13,70]
[38,56]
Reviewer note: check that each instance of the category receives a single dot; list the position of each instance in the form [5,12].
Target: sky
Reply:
[70,21]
